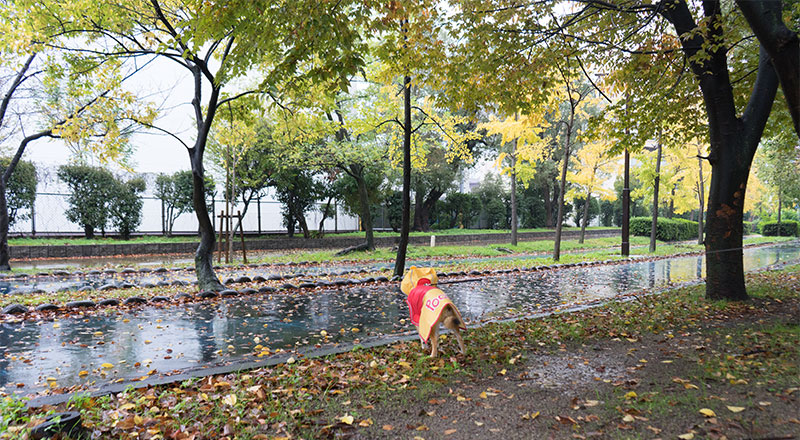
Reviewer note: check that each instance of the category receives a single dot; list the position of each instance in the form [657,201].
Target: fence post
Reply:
[258,206]
[163,219]
[33,219]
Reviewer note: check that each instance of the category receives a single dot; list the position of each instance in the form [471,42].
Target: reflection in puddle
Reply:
[177,337]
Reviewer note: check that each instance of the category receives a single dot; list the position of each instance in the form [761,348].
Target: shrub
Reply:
[91,189]
[21,189]
[675,229]
[788,228]
[125,208]
[749,227]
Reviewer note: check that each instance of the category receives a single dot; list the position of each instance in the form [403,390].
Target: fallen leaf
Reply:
[348,419]
[230,399]
[736,409]
[450,431]
[387,427]
[687,436]
[708,412]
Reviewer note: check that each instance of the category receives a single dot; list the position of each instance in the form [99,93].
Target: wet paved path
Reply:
[116,344]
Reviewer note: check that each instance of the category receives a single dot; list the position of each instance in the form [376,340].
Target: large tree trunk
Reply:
[400,262]
[204,256]
[656,184]
[733,139]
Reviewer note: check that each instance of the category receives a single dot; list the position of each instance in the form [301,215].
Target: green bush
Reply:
[675,229]
[749,227]
[788,228]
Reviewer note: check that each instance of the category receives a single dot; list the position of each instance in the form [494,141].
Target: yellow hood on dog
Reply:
[415,274]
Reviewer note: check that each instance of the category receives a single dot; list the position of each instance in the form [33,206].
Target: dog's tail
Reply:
[452,322]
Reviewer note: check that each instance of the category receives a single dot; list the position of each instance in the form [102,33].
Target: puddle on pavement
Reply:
[177,337]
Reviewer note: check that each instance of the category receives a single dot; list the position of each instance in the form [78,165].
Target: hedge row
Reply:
[675,229]
[788,228]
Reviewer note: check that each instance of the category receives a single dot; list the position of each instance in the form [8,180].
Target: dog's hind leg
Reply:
[434,337]
[460,341]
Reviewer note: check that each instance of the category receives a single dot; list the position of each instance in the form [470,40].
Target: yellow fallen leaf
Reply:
[631,395]
[450,431]
[687,436]
[83,373]
[708,412]
[690,386]
[404,364]
[478,423]
[503,372]
[56,325]
[461,398]
[628,418]
[106,365]
[387,427]
[365,423]
[355,330]
[735,409]
[290,360]
[483,395]
[230,399]
[348,419]
[590,403]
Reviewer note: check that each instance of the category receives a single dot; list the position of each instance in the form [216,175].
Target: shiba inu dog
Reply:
[429,307]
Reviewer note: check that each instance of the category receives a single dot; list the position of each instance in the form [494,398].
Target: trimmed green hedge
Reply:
[788,228]
[675,229]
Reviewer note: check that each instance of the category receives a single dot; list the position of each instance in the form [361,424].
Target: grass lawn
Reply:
[29,241]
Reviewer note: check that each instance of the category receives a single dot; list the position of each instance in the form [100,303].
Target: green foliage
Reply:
[594,209]
[749,227]
[297,191]
[346,188]
[787,228]
[175,192]
[91,189]
[125,208]
[12,412]
[494,200]
[457,210]
[21,189]
[676,229]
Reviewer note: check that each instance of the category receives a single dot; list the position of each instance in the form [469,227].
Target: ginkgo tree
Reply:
[521,147]
[595,167]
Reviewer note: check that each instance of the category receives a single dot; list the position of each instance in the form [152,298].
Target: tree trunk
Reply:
[419,198]
[363,199]
[656,184]
[426,208]
[204,256]
[548,206]
[701,200]
[780,208]
[563,187]
[88,231]
[5,252]
[734,139]
[585,219]
[514,197]
[400,262]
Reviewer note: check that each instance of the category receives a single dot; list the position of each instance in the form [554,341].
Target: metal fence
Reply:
[262,216]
